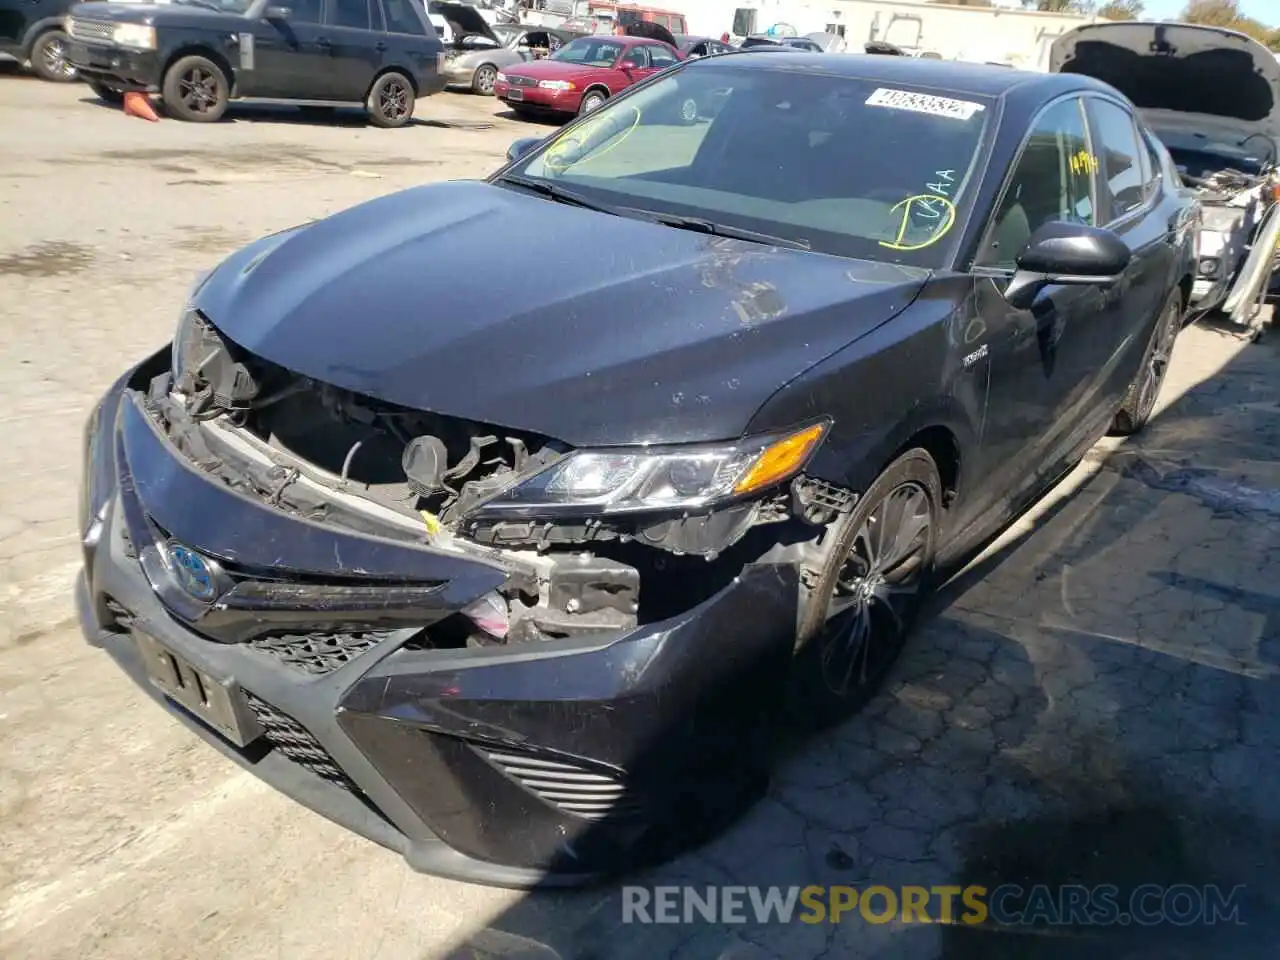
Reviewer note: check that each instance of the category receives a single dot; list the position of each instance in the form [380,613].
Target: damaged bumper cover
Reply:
[310,654]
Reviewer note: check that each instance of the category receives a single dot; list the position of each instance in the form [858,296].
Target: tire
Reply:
[49,57]
[107,94]
[842,657]
[592,100]
[195,89]
[483,79]
[1140,399]
[390,101]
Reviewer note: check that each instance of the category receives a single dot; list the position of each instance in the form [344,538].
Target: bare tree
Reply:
[1121,9]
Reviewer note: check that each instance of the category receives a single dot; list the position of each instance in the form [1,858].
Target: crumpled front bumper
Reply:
[525,765]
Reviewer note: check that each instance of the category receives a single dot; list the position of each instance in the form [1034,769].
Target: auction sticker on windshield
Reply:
[924,103]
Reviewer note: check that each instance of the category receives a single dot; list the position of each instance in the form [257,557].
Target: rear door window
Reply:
[350,13]
[660,57]
[1117,148]
[403,18]
[306,11]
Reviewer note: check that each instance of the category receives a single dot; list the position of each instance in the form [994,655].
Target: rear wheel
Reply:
[1140,399]
[107,94]
[874,575]
[195,89]
[49,57]
[391,99]
[486,76]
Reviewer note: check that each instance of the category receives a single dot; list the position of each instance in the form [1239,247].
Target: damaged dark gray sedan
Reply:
[508,571]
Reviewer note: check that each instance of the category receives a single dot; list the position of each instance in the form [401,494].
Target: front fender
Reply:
[905,377]
[35,30]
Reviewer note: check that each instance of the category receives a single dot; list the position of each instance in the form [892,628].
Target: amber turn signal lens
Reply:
[781,459]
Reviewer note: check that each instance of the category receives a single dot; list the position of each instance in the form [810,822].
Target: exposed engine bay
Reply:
[1234,204]
[327,455]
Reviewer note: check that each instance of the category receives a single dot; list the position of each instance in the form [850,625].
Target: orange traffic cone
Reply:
[139,105]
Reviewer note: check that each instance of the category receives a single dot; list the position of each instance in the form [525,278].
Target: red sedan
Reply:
[582,74]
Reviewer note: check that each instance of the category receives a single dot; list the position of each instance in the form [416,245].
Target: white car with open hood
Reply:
[1212,97]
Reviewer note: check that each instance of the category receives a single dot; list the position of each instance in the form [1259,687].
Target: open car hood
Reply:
[1177,67]
[463,19]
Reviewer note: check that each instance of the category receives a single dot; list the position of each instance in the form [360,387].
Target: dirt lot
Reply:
[1096,703]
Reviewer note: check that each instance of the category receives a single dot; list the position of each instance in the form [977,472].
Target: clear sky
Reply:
[1268,11]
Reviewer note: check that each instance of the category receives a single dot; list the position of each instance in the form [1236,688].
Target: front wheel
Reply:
[390,101]
[195,89]
[876,568]
[486,76]
[591,101]
[1140,399]
[49,57]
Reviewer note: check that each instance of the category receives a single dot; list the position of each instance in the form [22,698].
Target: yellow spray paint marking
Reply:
[552,159]
[915,204]
[432,522]
[1082,161]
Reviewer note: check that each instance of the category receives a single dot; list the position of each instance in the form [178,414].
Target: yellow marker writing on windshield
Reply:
[552,158]
[922,201]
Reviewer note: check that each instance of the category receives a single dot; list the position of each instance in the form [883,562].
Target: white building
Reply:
[1019,38]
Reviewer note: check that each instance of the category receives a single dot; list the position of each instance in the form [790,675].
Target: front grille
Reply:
[318,653]
[293,741]
[91,30]
[572,788]
[522,81]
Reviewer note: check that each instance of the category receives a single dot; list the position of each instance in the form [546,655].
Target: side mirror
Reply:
[520,147]
[1069,254]
[277,13]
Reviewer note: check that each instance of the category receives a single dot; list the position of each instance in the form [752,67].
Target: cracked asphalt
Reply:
[1093,701]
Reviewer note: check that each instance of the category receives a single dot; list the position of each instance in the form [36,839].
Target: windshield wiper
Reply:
[700,225]
[207,4]
[559,194]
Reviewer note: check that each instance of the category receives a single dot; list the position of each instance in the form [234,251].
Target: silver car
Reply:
[479,50]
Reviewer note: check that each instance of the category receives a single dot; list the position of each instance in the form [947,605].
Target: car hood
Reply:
[464,19]
[548,69]
[486,303]
[152,14]
[1172,66]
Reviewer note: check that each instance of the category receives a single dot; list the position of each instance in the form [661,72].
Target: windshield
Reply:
[590,52]
[841,164]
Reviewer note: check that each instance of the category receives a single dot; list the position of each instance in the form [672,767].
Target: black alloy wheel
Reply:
[391,100]
[1140,399]
[195,89]
[877,570]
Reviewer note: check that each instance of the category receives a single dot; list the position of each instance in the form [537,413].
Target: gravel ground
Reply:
[1095,703]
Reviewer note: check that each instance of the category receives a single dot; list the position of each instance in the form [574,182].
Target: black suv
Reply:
[200,54]
[32,30]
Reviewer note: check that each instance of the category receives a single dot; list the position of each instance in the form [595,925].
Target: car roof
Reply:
[959,77]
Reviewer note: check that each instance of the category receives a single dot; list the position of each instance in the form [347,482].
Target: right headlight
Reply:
[633,480]
[134,35]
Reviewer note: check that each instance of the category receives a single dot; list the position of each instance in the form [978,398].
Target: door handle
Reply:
[380,46]
[323,43]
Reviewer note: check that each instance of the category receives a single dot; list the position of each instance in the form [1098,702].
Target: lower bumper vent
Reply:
[293,741]
[572,788]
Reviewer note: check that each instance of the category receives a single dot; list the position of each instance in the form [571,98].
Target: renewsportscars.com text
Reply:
[1005,905]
